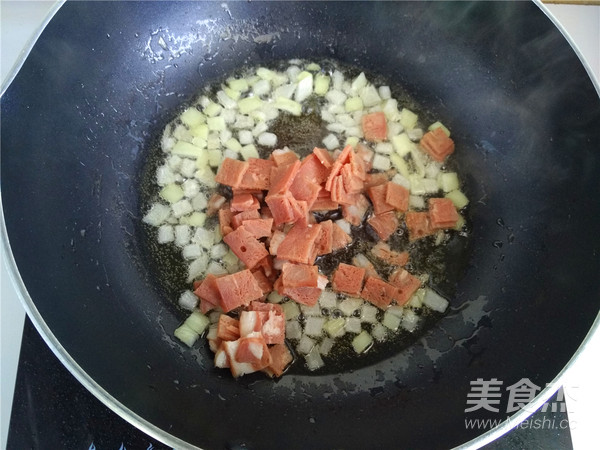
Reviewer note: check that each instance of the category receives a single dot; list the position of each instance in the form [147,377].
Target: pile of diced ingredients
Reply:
[258,231]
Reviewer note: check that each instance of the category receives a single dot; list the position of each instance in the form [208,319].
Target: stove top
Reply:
[51,409]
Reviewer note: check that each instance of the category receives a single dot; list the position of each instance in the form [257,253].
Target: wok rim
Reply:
[168,439]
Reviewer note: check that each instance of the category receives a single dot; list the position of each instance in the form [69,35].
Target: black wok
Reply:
[98,87]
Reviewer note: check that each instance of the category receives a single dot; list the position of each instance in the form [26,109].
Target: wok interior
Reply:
[104,79]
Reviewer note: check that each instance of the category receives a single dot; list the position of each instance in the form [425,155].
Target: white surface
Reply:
[19,22]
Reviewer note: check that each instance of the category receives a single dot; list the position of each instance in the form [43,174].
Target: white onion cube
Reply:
[368,313]
[197,267]
[293,329]
[165,234]
[245,137]
[314,326]
[353,325]
[331,142]
[157,214]
[328,299]
[267,139]
[204,237]
[188,300]
[305,345]
[314,360]
[218,251]
[381,162]
[349,305]
[182,235]
[435,301]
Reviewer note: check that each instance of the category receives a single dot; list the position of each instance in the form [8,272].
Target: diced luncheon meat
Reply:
[238,289]
[378,194]
[323,156]
[231,172]
[384,224]
[228,328]
[239,218]
[266,286]
[283,157]
[324,241]
[437,144]
[442,213]
[258,174]
[279,246]
[258,228]
[348,279]
[383,251]
[374,127]
[406,283]
[304,295]
[299,275]
[354,214]
[215,203]
[378,292]
[397,196]
[297,246]
[246,247]
[244,202]
[418,225]
[281,358]
[339,238]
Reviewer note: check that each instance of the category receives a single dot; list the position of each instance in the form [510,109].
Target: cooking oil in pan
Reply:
[443,263]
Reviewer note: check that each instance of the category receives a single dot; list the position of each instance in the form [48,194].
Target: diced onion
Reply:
[353,325]
[165,234]
[285,104]
[249,151]
[293,329]
[314,360]
[290,310]
[304,88]
[181,208]
[267,139]
[314,326]
[321,84]
[435,125]
[331,142]
[333,327]
[381,162]
[182,235]
[408,119]
[172,193]
[359,82]
[325,346]
[197,321]
[353,104]
[186,149]
[362,342]
[448,181]
[410,320]
[435,301]
[248,104]
[186,335]
[379,332]
[459,199]
[305,345]
[391,321]
[188,300]
[349,305]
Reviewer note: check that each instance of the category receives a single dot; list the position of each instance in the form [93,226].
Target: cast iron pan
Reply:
[78,123]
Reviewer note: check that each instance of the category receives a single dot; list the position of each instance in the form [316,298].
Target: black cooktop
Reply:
[52,410]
